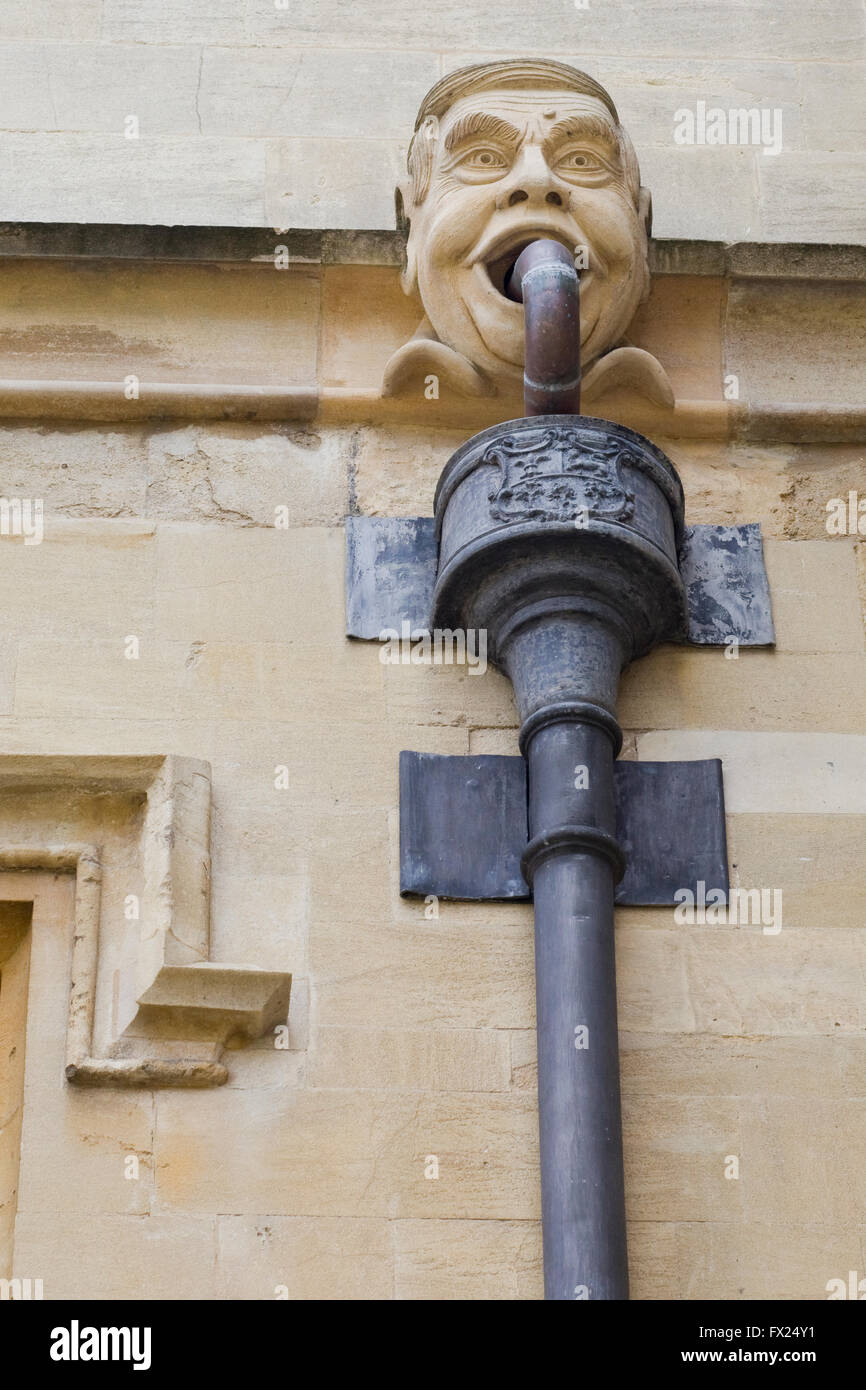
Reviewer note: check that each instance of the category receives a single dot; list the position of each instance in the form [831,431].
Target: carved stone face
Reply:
[508,166]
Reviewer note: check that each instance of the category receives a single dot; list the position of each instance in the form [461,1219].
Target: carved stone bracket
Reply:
[184,1008]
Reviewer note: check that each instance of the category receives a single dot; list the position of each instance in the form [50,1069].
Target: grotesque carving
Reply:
[504,153]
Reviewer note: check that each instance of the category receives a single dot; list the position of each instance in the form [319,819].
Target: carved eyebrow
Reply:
[583,127]
[481,123]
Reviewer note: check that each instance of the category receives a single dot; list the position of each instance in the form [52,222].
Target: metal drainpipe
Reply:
[565,607]
[545,281]
[572,863]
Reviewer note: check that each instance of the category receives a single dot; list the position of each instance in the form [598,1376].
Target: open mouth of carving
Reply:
[499,262]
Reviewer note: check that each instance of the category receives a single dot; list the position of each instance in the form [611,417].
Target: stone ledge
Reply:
[119,241]
[188,1007]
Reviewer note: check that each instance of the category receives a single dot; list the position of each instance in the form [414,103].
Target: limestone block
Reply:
[396,470]
[42,90]
[652,984]
[810,1173]
[699,190]
[105,569]
[814,593]
[503,741]
[453,1260]
[833,113]
[827,320]
[329,1153]
[365,317]
[73,1149]
[160,21]
[241,475]
[814,773]
[693,688]
[449,694]
[680,324]
[155,179]
[823,195]
[262,918]
[636,27]
[724,1261]
[272,585]
[653,1269]
[76,22]
[330,183]
[524,1059]
[158,322]
[800,981]
[730,484]
[675,1151]
[648,91]
[797,1067]
[338,94]
[69,474]
[302,1258]
[447,1059]
[430,976]
[802,855]
[815,477]
[119,1257]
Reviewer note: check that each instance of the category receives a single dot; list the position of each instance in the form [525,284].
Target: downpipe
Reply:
[558,535]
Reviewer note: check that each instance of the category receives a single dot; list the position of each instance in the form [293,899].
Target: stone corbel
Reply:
[188,1007]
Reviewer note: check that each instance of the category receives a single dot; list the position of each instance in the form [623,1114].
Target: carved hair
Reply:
[481,77]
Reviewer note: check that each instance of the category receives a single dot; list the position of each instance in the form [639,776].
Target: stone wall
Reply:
[412,1039]
[267,113]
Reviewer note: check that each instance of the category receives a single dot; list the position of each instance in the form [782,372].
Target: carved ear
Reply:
[645,210]
[645,216]
[409,273]
[412,191]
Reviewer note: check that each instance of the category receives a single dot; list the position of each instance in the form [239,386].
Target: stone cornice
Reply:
[256,245]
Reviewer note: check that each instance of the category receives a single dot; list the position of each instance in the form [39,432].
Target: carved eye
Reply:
[581,162]
[484,159]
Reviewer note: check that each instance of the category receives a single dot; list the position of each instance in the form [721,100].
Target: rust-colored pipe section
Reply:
[545,280]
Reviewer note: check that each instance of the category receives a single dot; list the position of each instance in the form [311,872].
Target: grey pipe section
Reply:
[544,279]
[565,668]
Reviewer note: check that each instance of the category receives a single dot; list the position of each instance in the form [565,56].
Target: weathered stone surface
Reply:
[838,123]
[775,772]
[339,94]
[42,90]
[761,1259]
[814,1170]
[107,178]
[828,321]
[453,1059]
[458,1260]
[770,690]
[164,1256]
[675,1151]
[344,1153]
[330,183]
[824,192]
[296,1258]
[814,592]
[632,28]
[801,855]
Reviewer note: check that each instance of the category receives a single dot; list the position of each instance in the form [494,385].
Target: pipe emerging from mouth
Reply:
[544,279]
